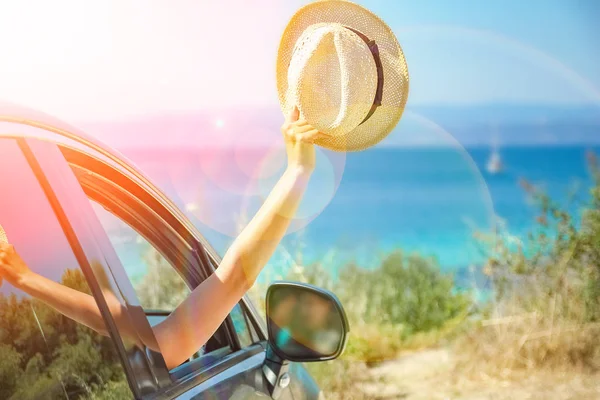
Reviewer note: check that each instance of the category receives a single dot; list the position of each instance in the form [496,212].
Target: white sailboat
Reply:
[494,164]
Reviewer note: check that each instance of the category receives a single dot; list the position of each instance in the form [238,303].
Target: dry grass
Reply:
[342,379]
[508,346]
[555,336]
[375,343]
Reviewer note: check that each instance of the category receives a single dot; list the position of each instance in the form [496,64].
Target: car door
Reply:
[42,353]
[140,228]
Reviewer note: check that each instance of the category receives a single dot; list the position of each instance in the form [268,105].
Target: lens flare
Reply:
[222,187]
[250,157]
[322,185]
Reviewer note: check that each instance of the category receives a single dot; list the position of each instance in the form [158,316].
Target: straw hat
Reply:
[344,69]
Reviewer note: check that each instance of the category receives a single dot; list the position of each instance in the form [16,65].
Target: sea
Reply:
[361,206]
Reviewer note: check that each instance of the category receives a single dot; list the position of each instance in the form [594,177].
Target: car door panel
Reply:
[241,379]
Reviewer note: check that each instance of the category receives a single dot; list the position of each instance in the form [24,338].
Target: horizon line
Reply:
[454,105]
[377,147]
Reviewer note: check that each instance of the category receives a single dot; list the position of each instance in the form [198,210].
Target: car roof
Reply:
[21,122]
[37,124]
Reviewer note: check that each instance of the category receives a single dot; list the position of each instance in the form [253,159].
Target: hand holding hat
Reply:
[343,67]
[299,137]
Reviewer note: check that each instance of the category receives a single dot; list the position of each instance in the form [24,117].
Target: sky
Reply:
[109,60]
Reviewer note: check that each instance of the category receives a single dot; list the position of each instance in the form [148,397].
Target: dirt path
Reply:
[430,375]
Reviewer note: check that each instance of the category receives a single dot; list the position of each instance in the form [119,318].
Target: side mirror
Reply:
[305,323]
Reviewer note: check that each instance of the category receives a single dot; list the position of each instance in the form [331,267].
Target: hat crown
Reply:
[332,78]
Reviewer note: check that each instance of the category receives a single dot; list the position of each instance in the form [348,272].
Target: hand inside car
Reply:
[12,266]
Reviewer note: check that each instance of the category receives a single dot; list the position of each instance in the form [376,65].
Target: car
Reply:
[78,212]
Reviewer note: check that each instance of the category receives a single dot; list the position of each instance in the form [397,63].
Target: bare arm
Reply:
[199,316]
[62,298]
[72,303]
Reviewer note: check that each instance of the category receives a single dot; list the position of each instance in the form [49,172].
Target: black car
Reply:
[79,213]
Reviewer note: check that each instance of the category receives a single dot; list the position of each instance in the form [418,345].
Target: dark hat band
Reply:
[375,52]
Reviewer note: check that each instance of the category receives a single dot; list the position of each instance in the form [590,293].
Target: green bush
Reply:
[405,302]
[113,390]
[44,354]
[390,306]
[546,306]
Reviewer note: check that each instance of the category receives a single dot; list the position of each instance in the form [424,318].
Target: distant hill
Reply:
[511,114]
[517,125]
[514,125]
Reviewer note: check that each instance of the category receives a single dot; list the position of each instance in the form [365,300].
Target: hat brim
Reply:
[395,70]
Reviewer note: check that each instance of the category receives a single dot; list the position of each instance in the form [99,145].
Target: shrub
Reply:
[546,305]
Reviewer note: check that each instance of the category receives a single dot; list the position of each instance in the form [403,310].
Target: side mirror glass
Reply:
[305,323]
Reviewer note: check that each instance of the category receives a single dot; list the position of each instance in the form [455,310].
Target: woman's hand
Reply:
[299,137]
[12,266]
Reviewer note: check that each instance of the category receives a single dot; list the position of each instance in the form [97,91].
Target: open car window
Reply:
[157,284]
[159,287]
[162,259]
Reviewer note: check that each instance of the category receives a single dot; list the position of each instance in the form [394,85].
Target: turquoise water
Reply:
[426,200]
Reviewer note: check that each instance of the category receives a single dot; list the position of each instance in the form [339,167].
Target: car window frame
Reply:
[143,218]
[29,165]
[52,173]
[204,260]
[239,309]
[255,323]
[198,370]
[250,323]
[177,233]
[207,258]
[131,215]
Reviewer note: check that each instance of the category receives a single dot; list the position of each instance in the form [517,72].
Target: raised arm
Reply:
[199,316]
